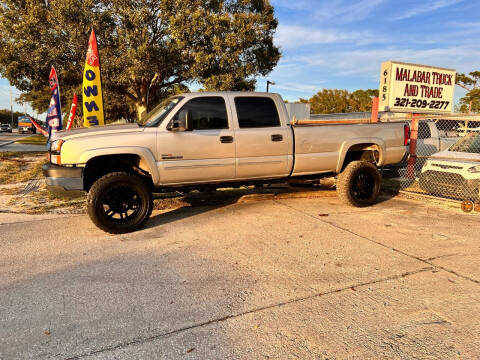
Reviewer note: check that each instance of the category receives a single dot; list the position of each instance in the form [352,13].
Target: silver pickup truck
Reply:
[209,140]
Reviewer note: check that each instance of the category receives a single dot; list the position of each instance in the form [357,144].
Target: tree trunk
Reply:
[141,111]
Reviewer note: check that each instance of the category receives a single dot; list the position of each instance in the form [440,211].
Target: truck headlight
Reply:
[56,145]
[474,169]
[55,149]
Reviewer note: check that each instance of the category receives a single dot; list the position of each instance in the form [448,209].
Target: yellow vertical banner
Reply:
[92,86]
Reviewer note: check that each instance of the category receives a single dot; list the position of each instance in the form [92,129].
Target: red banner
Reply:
[73,111]
[39,128]
[52,79]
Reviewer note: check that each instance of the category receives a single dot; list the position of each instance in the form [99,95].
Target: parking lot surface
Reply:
[279,278]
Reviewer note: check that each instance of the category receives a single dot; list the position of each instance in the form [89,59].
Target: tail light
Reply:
[406,134]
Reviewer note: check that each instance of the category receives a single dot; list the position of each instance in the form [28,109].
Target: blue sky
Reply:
[341,43]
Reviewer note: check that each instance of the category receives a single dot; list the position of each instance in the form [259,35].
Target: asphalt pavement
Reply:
[6,138]
[7,143]
[305,278]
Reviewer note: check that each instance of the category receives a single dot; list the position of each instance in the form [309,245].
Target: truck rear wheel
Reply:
[119,202]
[359,184]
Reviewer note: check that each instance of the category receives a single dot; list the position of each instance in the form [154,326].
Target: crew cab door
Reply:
[204,154]
[262,138]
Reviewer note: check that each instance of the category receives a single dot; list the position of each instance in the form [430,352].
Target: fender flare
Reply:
[346,145]
[147,160]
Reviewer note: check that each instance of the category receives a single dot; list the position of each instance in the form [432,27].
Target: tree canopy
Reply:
[471,83]
[149,49]
[329,101]
[6,117]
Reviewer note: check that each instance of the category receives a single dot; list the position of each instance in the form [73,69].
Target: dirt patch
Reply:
[23,190]
[20,167]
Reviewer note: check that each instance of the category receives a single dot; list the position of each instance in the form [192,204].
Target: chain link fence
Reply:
[446,159]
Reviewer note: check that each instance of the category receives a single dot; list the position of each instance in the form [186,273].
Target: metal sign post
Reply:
[413,146]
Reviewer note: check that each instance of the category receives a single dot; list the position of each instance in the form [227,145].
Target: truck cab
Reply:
[25,125]
[223,137]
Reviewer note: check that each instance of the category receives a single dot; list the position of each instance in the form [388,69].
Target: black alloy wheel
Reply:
[359,184]
[120,202]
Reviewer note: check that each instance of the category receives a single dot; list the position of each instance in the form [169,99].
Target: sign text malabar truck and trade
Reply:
[416,88]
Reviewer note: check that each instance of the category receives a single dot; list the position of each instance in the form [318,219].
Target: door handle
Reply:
[226,139]
[277,137]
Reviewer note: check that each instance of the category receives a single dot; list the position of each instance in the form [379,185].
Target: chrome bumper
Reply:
[63,181]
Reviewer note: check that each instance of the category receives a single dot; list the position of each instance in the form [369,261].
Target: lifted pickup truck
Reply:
[208,140]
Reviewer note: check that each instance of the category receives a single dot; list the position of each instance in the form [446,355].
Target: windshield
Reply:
[156,116]
[469,143]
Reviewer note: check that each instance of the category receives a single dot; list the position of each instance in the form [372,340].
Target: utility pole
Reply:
[11,106]
[269,83]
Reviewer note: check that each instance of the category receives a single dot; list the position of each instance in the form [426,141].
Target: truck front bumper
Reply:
[64,181]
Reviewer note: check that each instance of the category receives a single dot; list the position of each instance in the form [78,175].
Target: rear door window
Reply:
[256,112]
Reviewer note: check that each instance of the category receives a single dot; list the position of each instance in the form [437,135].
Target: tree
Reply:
[361,100]
[340,101]
[148,48]
[471,101]
[6,117]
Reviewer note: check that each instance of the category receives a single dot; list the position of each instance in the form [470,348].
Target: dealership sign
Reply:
[416,88]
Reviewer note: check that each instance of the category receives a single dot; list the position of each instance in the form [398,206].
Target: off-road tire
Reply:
[121,180]
[347,184]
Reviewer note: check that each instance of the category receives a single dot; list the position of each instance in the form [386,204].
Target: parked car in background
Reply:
[456,170]
[5,128]
[434,137]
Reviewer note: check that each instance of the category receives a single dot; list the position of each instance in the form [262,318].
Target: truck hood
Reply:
[96,130]
[456,156]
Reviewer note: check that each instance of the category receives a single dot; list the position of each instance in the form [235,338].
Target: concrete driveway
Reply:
[303,278]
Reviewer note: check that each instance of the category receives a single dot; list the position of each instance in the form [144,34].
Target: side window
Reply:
[207,113]
[424,130]
[256,112]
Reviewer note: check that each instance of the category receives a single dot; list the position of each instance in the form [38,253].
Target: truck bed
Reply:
[322,147]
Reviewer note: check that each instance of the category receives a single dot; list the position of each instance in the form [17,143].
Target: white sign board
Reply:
[416,88]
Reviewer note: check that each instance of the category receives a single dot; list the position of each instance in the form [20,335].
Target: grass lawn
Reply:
[33,140]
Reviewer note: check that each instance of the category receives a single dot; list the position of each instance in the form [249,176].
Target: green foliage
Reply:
[471,83]
[148,48]
[341,101]
[6,117]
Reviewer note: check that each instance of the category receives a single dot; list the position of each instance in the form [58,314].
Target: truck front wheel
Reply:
[119,202]
[359,184]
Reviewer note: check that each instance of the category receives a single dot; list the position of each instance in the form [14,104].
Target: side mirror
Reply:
[183,123]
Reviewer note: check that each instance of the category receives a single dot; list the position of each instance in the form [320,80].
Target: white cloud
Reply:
[427,7]
[366,63]
[5,99]
[297,87]
[341,12]
[291,36]
[338,11]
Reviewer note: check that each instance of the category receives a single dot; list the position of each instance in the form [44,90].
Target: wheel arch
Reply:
[101,162]
[355,149]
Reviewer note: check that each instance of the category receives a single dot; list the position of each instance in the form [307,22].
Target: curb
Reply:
[7,143]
